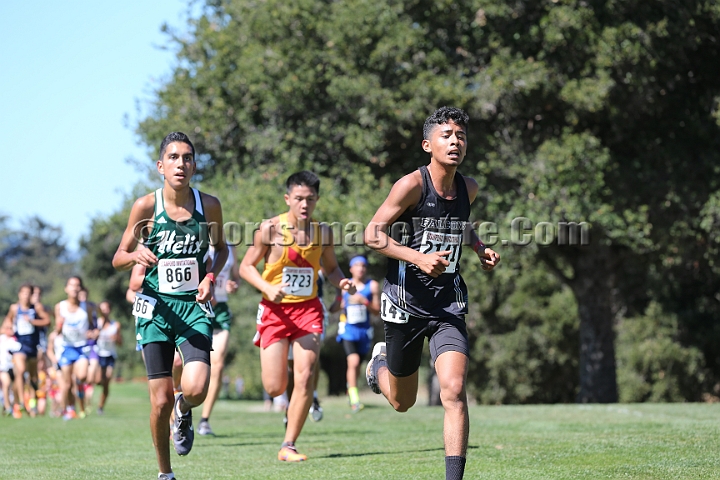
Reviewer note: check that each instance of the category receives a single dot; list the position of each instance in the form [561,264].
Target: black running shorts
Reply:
[359,347]
[159,355]
[405,341]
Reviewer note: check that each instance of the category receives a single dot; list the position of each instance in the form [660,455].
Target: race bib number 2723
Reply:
[299,280]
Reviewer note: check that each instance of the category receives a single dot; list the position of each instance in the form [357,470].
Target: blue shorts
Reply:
[71,355]
[359,336]
[27,350]
[106,362]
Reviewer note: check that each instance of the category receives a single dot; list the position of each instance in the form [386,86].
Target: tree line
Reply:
[590,111]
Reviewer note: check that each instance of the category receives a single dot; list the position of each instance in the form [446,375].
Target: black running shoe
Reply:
[182,429]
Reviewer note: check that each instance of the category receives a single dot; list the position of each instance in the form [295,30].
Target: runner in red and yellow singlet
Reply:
[294,249]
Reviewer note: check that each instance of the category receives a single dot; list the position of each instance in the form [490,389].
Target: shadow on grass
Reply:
[215,440]
[389,452]
[235,444]
[238,444]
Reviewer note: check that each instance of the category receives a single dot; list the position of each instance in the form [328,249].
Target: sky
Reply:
[72,75]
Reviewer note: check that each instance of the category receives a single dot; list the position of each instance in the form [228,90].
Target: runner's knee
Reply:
[403,403]
[452,390]
[195,394]
[163,401]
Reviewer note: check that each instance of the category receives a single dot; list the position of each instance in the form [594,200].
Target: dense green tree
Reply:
[525,336]
[609,120]
[35,253]
[597,111]
[653,365]
[98,249]
[6,292]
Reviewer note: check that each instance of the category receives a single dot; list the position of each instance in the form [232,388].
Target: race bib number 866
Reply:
[178,275]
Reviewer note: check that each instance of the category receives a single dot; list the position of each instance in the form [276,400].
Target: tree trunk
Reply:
[593,285]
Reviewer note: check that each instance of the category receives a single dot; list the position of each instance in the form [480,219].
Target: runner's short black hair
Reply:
[306,178]
[175,137]
[443,115]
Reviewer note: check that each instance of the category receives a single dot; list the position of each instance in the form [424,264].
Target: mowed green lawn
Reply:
[669,441]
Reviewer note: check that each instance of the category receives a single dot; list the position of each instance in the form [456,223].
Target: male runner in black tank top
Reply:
[424,295]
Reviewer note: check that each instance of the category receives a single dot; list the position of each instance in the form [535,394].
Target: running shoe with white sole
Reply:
[376,360]
[316,411]
[204,428]
[182,429]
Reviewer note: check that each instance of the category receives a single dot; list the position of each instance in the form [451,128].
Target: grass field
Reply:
[648,441]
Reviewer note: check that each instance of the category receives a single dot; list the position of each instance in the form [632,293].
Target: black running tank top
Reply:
[435,224]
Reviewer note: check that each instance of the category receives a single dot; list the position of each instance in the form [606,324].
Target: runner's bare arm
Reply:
[404,194]
[255,253]
[138,227]
[337,303]
[12,311]
[59,319]
[374,306]
[213,214]
[118,335]
[472,188]
[137,275]
[93,333]
[232,284]
[488,257]
[44,319]
[330,265]
[51,349]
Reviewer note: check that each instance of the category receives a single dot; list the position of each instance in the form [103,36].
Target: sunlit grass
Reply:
[648,441]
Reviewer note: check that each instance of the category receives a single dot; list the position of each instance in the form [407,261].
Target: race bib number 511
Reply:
[440,242]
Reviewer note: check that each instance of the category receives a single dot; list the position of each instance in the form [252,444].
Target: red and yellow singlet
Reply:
[298,266]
